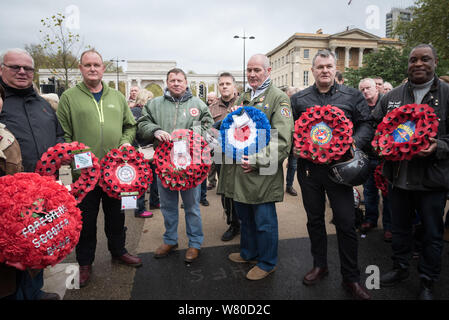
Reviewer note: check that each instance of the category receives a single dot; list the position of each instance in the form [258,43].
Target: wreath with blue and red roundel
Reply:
[184,162]
[125,170]
[323,134]
[40,223]
[62,154]
[405,131]
[245,131]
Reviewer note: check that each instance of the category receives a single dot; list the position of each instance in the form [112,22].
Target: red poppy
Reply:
[183,175]
[39,219]
[426,126]
[125,170]
[332,132]
[61,154]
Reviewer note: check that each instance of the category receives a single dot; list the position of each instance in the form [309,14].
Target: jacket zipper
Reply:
[101,116]
[176,115]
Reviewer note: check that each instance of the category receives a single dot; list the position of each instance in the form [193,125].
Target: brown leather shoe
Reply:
[129,260]
[315,275]
[85,272]
[164,250]
[191,254]
[388,236]
[356,290]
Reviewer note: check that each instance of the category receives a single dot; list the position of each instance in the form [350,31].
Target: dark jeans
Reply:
[259,233]
[154,196]
[28,288]
[371,197]
[203,190]
[291,169]
[315,184]
[430,205]
[114,226]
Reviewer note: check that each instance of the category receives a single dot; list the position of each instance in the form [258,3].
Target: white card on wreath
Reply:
[83,160]
[129,202]
[241,120]
[180,147]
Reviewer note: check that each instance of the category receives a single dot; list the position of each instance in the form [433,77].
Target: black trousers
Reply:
[315,184]
[114,226]
[429,205]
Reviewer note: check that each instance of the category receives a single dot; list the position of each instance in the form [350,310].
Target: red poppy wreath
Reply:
[39,221]
[184,162]
[63,153]
[405,131]
[323,134]
[125,170]
[380,181]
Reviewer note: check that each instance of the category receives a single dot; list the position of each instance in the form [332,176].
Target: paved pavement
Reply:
[213,276]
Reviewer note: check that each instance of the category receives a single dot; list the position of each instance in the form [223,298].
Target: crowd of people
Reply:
[102,118]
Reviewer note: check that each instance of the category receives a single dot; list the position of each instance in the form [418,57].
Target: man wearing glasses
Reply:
[98,116]
[33,122]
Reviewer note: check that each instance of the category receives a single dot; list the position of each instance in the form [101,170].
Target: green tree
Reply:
[430,24]
[389,63]
[60,45]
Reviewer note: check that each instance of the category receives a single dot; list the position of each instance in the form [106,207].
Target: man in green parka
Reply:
[257,182]
[98,116]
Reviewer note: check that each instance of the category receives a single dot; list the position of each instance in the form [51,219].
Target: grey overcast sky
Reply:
[197,34]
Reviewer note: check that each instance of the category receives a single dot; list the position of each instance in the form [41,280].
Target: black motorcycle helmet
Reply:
[352,172]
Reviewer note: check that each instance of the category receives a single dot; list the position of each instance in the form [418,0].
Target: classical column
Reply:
[361,56]
[139,82]
[347,56]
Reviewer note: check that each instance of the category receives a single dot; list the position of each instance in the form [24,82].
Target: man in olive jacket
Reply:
[176,109]
[98,116]
[257,182]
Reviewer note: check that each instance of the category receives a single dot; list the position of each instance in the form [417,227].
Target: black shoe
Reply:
[154,207]
[393,277]
[426,290]
[230,233]
[291,191]
[49,296]
[182,205]
[205,202]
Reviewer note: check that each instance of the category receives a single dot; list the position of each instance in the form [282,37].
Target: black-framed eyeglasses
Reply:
[17,68]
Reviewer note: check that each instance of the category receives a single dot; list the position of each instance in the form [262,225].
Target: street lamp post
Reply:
[244,37]
[117,61]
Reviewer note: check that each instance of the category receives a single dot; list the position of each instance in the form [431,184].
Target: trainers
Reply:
[145,214]
[258,274]
[236,257]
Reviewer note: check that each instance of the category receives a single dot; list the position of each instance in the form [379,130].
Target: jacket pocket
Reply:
[436,175]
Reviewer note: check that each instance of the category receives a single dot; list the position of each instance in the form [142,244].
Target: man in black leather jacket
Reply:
[315,182]
[419,186]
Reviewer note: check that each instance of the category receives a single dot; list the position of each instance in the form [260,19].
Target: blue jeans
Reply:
[291,170]
[258,233]
[169,208]
[371,196]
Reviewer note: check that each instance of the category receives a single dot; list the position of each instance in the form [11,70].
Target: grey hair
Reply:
[15,50]
[264,58]
[370,80]
[324,53]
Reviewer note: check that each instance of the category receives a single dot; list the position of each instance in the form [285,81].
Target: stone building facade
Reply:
[291,61]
